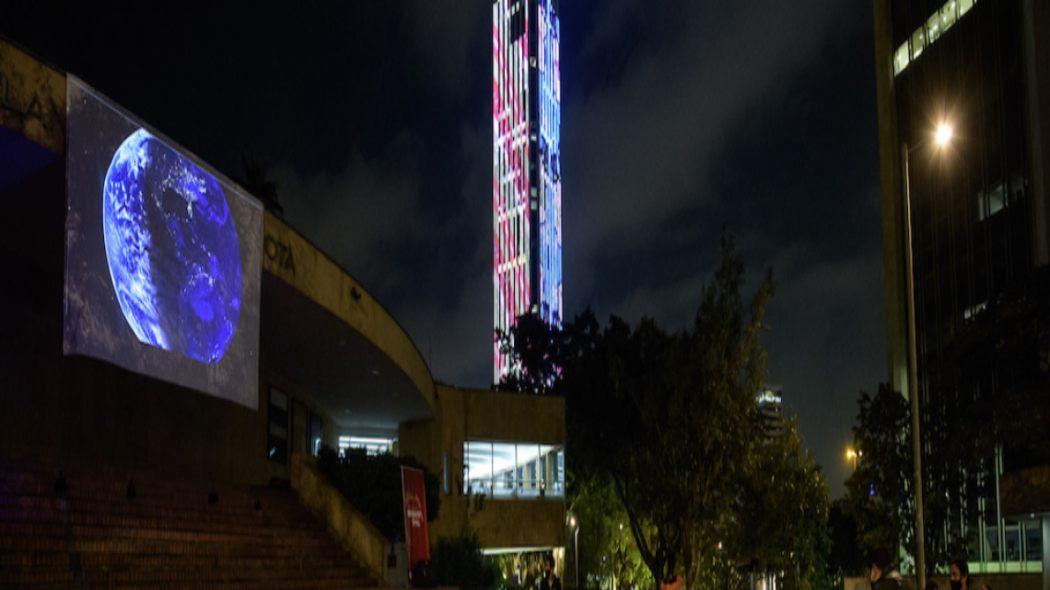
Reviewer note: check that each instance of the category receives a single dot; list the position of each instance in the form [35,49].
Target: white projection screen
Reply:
[162,256]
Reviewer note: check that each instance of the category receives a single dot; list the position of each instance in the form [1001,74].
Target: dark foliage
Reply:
[988,393]
[458,562]
[668,422]
[879,492]
[372,485]
[257,181]
[845,558]
[538,350]
[670,419]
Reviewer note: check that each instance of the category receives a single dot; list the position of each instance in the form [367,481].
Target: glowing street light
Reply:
[943,135]
[852,455]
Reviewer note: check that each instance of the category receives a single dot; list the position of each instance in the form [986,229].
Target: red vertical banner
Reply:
[414,498]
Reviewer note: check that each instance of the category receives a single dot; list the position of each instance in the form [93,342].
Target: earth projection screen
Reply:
[162,256]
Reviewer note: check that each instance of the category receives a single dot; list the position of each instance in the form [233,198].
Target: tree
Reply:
[257,182]
[879,491]
[372,484]
[845,557]
[607,550]
[537,351]
[670,419]
[986,391]
[458,562]
[667,425]
[986,397]
[784,512]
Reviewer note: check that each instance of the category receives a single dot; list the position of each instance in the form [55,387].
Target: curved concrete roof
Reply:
[292,258]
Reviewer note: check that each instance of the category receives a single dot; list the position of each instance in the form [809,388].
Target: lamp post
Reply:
[942,136]
[575,549]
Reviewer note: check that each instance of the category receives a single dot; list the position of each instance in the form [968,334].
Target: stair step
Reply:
[167,536]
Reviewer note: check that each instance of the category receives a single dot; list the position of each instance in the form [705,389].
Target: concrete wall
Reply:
[354,532]
[32,98]
[890,176]
[463,414]
[64,410]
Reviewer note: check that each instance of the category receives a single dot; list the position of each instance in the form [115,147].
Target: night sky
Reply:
[679,120]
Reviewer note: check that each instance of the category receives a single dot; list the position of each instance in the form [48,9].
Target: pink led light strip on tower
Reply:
[510,199]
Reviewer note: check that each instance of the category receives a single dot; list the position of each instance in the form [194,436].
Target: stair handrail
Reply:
[352,529]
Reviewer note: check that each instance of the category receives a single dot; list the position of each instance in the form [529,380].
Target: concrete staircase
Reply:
[170,534]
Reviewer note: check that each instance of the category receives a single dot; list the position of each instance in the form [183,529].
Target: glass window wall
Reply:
[519,470]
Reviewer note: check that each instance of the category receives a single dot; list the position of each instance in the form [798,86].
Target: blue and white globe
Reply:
[172,250]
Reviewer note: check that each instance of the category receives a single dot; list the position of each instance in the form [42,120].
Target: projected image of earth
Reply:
[172,250]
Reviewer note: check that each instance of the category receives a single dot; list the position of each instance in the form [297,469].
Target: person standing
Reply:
[550,580]
[882,574]
[959,575]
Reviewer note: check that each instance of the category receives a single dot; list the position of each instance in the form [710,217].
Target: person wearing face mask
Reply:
[959,575]
[882,575]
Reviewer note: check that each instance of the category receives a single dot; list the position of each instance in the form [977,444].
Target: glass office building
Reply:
[978,210]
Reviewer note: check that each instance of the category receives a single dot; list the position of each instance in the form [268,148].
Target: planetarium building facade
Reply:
[158,319]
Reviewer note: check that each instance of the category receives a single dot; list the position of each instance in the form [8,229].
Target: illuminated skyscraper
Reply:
[526,179]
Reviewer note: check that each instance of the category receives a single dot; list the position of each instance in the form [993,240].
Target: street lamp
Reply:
[851,456]
[942,136]
[576,550]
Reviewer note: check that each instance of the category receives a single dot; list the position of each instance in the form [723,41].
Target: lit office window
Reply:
[477,466]
[900,58]
[933,27]
[918,43]
[1033,541]
[991,202]
[559,474]
[936,26]
[1000,196]
[277,427]
[520,470]
[372,445]
[504,457]
[316,433]
[949,14]
[971,312]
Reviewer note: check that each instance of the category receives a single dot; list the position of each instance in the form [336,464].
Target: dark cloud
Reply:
[756,118]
